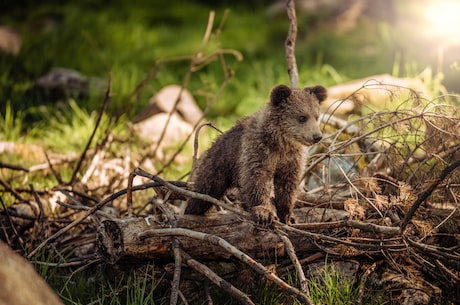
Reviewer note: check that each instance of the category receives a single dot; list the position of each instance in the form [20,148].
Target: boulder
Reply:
[10,40]
[375,91]
[164,101]
[19,282]
[151,122]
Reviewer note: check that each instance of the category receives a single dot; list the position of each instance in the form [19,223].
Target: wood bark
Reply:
[120,238]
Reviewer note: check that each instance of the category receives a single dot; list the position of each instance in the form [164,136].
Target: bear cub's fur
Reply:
[263,154]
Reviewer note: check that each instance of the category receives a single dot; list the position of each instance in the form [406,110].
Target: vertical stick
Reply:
[290,44]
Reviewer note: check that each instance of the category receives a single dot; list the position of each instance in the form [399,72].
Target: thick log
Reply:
[120,238]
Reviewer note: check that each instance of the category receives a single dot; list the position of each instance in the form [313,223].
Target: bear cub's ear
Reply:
[279,93]
[319,91]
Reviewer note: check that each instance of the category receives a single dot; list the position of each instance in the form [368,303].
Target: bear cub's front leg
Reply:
[264,215]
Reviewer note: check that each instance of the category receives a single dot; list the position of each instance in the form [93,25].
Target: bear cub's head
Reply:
[295,112]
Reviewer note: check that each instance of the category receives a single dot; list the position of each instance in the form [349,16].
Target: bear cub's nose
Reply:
[317,138]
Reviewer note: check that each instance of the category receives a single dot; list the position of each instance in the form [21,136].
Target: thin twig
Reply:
[10,221]
[12,190]
[55,173]
[129,194]
[177,271]
[190,194]
[213,277]
[423,196]
[195,144]
[96,126]
[195,60]
[13,167]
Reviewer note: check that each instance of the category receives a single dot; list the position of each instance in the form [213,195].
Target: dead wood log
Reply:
[119,238]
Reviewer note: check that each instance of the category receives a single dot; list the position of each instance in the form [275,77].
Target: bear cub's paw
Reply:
[288,219]
[263,215]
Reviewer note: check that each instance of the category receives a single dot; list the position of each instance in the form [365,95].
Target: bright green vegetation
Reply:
[127,40]
[328,287]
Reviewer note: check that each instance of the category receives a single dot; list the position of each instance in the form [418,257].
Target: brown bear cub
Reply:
[263,154]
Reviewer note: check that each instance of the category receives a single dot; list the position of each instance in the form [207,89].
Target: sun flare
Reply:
[444,18]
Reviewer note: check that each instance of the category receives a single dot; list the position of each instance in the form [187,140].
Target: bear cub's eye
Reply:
[303,119]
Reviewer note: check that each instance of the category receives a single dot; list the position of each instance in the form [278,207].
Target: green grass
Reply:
[11,124]
[333,288]
[328,287]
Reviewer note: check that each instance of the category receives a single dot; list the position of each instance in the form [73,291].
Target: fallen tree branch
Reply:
[365,226]
[190,194]
[213,277]
[177,272]
[295,262]
[215,240]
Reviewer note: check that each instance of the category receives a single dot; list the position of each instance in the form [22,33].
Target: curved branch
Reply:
[215,240]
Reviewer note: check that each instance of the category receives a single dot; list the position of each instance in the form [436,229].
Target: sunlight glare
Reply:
[444,19]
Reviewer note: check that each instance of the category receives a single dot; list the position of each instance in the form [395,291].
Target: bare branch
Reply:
[296,262]
[423,196]
[190,194]
[290,44]
[98,121]
[215,240]
[213,277]
[177,271]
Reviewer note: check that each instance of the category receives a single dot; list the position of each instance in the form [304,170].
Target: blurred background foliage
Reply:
[126,38]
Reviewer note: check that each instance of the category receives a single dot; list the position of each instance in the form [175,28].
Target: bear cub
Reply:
[263,154]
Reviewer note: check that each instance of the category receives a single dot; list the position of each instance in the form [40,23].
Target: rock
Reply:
[151,129]
[10,40]
[19,282]
[375,91]
[149,124]
[62,83]
[164,101]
